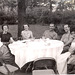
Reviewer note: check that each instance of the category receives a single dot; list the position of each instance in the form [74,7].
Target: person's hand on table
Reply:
[32,39]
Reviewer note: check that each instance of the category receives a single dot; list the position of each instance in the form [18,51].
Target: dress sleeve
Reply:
[11,38]
[10,35]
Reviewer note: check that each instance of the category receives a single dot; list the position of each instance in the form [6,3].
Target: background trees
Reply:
[37,11]
[8,11]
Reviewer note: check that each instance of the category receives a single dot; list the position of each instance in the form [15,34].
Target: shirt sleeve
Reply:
[10,35]
[44,34]
[55,36]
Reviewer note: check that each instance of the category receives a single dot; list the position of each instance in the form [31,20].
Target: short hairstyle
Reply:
[26,25]
[5,25]
[67,25]
[51,23]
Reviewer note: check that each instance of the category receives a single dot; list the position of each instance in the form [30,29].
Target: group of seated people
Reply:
[6,38]
[66,38]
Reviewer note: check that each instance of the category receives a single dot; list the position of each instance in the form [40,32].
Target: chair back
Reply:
[45,63]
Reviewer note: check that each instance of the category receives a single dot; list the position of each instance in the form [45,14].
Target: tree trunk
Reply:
[61,6]
[50,5]
[35,2]
[21,15]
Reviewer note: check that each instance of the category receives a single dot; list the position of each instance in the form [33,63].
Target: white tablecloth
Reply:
[32,49]
[1,44]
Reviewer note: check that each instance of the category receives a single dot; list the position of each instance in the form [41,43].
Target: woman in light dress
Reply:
[26,33]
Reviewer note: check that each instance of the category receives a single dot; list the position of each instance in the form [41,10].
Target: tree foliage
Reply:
[43,15]
[8,11]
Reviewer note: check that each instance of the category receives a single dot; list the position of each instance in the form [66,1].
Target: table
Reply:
[1,44]
[29,50]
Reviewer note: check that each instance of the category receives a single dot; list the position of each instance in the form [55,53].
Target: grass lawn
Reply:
[38,30]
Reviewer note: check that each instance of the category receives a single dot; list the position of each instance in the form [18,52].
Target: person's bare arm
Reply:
[31,35]
[69,41]
[11,40]
[55,36]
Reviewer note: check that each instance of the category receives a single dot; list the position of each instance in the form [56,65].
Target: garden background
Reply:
[38,14]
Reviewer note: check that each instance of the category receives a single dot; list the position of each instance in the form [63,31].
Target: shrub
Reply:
[43,15]
[35,14]
[1,18]
[68,17]
[10,18]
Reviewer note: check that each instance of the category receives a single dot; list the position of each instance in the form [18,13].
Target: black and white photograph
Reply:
[37,37]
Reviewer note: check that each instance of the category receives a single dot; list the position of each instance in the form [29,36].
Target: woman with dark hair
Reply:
[5,36]
[26,33]
[5,53]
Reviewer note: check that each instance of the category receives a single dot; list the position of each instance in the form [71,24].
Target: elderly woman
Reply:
[5,52]
[26,33]
[67,38]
